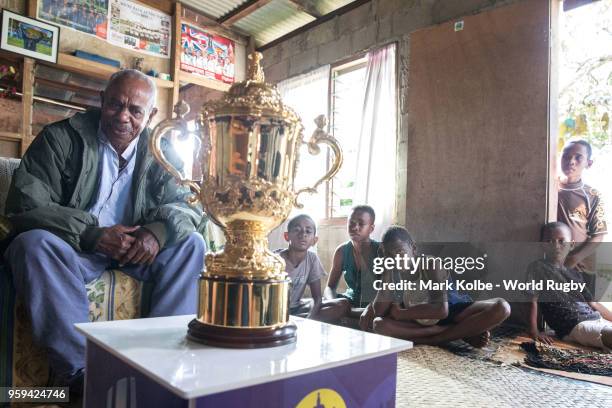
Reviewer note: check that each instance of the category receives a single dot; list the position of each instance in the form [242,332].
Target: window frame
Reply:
[346,65]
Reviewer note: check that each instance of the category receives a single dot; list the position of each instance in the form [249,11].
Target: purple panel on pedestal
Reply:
[112,383]
[369,383]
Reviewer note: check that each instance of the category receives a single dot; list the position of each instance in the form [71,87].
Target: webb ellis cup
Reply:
[250,144]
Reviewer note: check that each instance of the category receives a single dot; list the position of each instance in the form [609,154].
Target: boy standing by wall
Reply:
[581,209]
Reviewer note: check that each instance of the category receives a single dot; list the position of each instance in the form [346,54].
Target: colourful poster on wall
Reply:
[207,54]
[88,16]
[140,28]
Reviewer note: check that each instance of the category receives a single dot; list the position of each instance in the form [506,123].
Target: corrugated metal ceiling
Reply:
[213,8]
[271,21]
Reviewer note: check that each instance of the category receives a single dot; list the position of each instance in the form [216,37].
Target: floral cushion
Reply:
[114,296]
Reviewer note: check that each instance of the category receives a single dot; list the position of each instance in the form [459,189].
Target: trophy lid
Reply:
[251,97]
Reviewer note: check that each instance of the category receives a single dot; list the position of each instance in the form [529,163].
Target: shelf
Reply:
[10,135]
[66,104]
[162,83]
[9,56]
[202,81]
[4,83]
[82,66]
[91,68]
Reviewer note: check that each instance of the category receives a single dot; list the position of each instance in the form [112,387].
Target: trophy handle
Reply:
[181,109]
[321,136]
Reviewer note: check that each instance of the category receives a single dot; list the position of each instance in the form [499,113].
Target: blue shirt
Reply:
[113,203]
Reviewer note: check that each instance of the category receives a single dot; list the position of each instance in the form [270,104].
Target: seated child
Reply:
[354,260]
[572,315]
[304,267]
[435,317]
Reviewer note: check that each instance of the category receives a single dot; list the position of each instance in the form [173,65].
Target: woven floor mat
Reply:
[511,353]
[500,337]
[433,377]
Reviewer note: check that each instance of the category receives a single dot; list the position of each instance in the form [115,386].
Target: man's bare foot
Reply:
[480,340]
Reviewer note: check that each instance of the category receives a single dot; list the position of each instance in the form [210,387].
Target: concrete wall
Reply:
[330,236]
[371,25]
[195,96]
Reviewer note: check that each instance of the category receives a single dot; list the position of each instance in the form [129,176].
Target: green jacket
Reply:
[58,176]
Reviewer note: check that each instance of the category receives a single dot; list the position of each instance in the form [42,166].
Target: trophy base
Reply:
[237,337]
[242,313]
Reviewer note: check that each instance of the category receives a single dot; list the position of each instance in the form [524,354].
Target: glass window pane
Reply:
[348,87]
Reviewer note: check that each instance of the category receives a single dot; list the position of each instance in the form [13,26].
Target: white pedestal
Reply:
[150,362]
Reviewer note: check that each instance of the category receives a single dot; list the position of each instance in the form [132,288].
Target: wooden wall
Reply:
[478,140]
[15,129]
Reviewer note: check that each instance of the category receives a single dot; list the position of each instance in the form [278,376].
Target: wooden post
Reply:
[26,103]
[250,48]
[175,65]
[31,8]
[27,86]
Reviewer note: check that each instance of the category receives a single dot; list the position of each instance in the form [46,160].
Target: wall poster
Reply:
[88,16]
[207,54]
[140,28]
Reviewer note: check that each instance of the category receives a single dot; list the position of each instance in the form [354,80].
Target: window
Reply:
[359,99]
[347,89]
[308,95]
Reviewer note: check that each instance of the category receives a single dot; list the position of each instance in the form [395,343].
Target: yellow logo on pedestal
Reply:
[322,398]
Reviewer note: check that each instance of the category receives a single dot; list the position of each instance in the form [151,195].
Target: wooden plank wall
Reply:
[478,138]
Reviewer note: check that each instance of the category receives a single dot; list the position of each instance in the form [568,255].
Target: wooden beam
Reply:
[175,65]
[26,103]
[205,22]
[307,7]
[11,56]
[250,47]
[11,136]
[242,11]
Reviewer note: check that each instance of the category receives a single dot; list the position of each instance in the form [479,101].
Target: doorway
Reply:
[585,106]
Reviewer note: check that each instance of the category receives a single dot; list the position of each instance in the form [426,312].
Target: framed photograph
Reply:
[29,37]
[86,16]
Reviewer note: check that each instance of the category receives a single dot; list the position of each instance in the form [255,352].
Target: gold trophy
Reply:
[249,146]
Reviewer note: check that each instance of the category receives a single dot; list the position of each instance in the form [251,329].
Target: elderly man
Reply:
[87,196]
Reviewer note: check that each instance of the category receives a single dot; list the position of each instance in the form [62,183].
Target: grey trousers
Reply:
[50,276]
